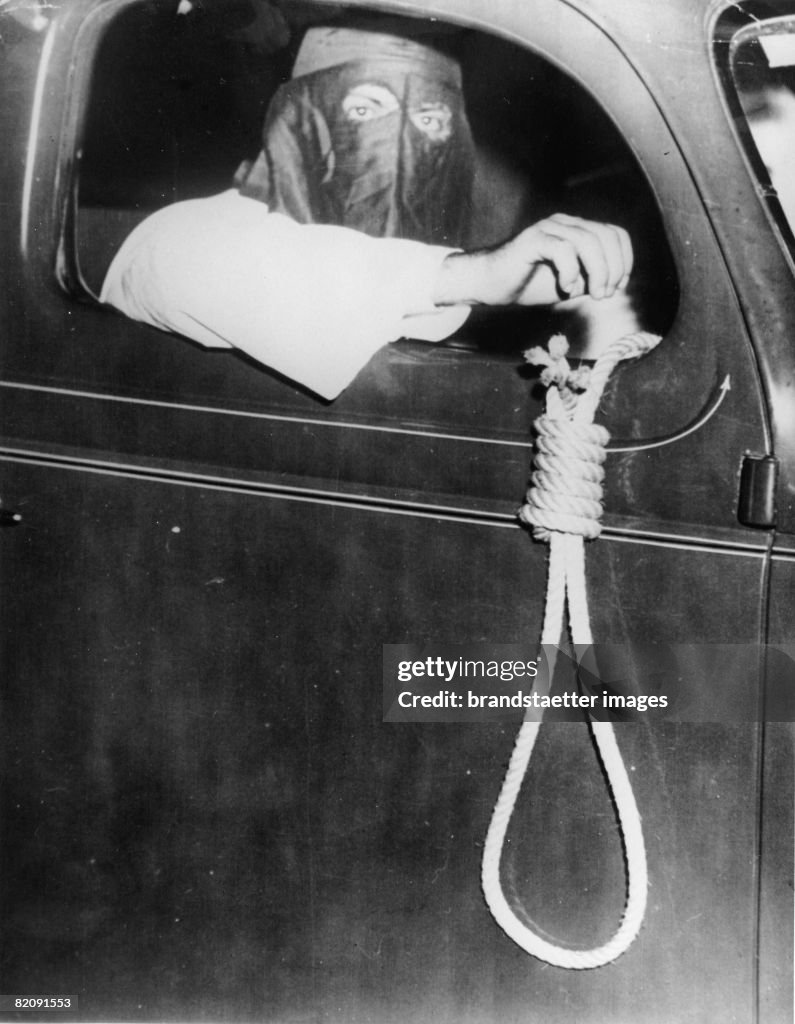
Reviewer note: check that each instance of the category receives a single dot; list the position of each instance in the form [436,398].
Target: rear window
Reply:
[756,59]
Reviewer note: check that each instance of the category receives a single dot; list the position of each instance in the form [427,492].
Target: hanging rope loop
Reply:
[564,506]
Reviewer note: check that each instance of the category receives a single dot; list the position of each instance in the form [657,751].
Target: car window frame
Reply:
[732,28]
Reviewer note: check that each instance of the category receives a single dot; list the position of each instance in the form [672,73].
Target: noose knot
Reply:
[565,494]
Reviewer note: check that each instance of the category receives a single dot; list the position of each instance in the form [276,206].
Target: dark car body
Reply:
[205,816]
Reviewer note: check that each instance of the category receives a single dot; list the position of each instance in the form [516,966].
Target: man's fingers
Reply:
[627,255]
[564,257]
[560,257]
[596,251]
[602,253]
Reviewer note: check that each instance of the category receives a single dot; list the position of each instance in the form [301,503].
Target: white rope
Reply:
[564,507]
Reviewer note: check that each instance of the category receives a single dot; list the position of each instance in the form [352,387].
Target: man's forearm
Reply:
[559,258]
[476,279]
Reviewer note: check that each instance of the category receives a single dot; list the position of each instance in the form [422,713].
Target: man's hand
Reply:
[559,258]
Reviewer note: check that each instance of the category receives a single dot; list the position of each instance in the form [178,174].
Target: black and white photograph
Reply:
[397,511]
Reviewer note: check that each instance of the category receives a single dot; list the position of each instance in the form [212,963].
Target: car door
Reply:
[207,815]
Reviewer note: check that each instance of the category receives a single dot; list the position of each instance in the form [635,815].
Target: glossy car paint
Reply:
[206,815]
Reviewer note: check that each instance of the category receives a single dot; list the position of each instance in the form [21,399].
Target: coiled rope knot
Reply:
[564,506]
[565,495]
[566,490]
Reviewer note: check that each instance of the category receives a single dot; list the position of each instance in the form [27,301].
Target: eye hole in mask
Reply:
[368,102]
[434,120]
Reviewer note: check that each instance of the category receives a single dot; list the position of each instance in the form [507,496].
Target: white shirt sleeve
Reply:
[311,301]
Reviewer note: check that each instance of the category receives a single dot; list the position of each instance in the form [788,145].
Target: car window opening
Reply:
[763,73]
[177,105]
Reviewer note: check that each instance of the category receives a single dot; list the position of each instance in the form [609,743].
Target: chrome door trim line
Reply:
[363,502]
[275,417]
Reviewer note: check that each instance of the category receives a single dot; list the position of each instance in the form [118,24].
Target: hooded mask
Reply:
[370,134]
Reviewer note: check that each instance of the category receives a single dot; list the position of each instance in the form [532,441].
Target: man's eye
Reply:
[360,113]
[368,101]
[435,122]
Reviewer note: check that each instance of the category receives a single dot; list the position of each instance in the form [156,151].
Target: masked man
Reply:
[344,234]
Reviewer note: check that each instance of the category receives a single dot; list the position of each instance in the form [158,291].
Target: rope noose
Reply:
[564,507]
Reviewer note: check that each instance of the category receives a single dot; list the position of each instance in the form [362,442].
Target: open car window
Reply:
[175,101]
